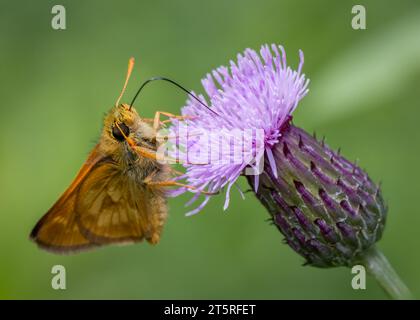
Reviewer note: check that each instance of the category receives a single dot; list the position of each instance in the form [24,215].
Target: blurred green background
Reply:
[56,85]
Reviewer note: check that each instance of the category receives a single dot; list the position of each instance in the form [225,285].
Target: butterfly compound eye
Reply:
[116,132]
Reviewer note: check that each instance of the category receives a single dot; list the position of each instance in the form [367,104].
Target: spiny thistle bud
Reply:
[327,208]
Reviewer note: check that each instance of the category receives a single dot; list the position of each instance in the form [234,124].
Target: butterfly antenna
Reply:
[127,77]
[175,84]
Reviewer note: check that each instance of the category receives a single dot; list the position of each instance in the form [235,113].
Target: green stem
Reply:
[378,266]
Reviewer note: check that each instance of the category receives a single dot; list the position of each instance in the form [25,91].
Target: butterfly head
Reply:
[123,124]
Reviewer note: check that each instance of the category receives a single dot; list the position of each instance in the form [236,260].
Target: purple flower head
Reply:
[326,207]
[255,95]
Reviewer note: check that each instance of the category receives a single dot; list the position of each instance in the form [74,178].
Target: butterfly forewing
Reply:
[58,230]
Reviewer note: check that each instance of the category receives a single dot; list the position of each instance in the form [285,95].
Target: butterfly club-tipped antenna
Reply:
[175,84]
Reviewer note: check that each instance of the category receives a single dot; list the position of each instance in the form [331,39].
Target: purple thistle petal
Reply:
[198,209]
[240,191]
[227,199]
[256,182]
[256,92]
[272,162]
[192,200]
[176,192]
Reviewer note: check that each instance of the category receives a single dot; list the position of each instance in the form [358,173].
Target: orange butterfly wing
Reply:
[57,230]
[111,207]
[102,205]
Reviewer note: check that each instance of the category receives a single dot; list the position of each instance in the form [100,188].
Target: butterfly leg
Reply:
[157,123]
[172,183]
[147,153]
[149,120]
[156,119]
[176,172]
[161,122]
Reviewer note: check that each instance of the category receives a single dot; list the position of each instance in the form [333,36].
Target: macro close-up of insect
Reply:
[249,151]
[118,195]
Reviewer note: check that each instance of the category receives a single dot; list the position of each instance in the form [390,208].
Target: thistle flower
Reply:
[327,208]
[257,92]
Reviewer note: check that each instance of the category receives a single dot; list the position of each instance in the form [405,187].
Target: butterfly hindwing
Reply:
[111,207]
